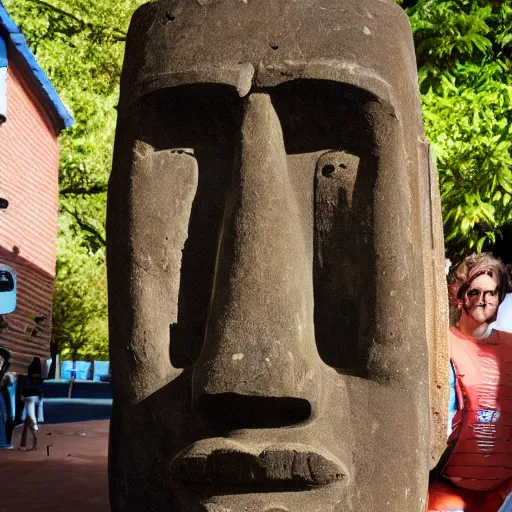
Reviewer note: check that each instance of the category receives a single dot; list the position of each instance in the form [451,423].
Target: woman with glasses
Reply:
[476,470]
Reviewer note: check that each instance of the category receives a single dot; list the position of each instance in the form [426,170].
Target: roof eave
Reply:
[40,79]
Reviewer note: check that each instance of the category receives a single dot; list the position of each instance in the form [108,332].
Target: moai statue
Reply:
[275,262]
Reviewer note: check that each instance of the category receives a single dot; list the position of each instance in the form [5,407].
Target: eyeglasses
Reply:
[485,296]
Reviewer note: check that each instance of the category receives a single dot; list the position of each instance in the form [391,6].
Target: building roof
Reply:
[49,95]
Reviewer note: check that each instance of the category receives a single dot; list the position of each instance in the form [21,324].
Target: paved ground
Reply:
[73,478]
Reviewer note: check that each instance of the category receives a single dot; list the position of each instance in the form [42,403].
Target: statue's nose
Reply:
[259,366]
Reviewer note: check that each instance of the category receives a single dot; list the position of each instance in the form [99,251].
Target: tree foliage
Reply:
[463,49]
[79,311]
[80,45]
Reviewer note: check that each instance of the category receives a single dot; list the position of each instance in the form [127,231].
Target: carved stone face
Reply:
[267,239]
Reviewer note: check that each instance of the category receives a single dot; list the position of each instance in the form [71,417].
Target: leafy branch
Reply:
[83,190]
[115,33]
[86,225]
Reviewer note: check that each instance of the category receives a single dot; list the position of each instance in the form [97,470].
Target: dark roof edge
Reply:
[40,78]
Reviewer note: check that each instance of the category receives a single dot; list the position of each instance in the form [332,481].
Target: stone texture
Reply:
[275,262]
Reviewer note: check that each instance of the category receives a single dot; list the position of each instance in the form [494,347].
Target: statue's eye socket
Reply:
[343,261]
[193,117]
[318,115]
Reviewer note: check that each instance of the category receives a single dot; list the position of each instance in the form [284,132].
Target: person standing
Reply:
[475,472]
[32,395]
[5,357]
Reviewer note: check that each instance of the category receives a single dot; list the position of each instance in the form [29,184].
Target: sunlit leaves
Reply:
[463,49]
[80,45]
[79,310]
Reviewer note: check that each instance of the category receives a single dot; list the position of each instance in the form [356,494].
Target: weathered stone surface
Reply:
[227,463]
[275,262]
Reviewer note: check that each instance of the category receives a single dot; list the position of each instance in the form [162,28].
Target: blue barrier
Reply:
[78,370]
[56,388]
[66,370]
[89,400]
[70,410]
[79,389]
[90,389]
[101,369]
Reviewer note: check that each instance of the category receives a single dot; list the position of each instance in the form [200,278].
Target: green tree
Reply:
[463,49]
[80,45]
[79,312]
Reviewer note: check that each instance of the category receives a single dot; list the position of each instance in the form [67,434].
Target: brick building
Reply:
[32,117]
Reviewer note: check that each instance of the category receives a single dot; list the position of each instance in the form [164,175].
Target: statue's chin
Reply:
[326,499]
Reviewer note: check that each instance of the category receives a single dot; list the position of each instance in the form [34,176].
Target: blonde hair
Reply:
[474,265]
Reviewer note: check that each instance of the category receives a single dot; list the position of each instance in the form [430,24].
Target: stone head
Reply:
[275,261]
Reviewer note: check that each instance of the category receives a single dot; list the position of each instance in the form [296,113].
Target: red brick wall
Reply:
[29,163]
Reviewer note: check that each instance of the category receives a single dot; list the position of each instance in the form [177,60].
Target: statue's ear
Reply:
[436,308]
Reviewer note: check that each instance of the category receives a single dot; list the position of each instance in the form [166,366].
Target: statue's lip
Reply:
[222,462]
